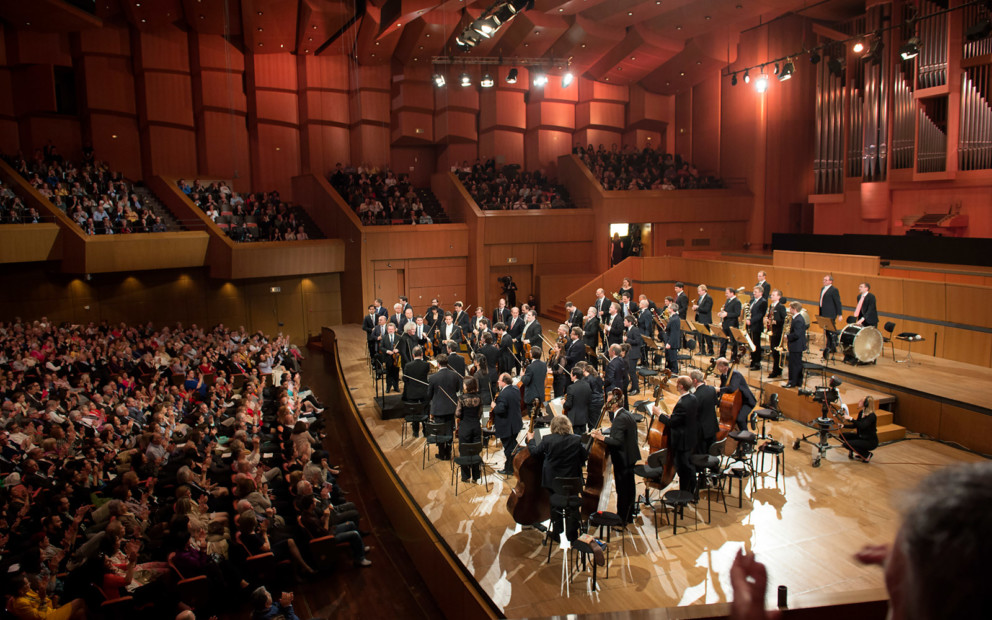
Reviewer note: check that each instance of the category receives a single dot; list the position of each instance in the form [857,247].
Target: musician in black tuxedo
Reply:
[864,439]
[730,317]
[516,329]
[865,310]
[531,333]
[407,342]
[450,331]
[575,350]
[673,337]
[775,319]
[636,342]
[831,308]
[709,421]
[415,385]
[602,304]
[504,343]
[681,300]
[684,436]
[733,381]
[397,318]
[573,316]
[578,401]
[595,382]
[405,303]
[591,331]
[613,326]
[766,288]
[434,317]
[501,314]
[564,457]
[534,378]
[507,421]
[388,347]
[420,333]
[645,320]
[614,375]
[756,324]
[442,392]
[368,326]
[627,306]
[489,351]
[461,318]
[455,360]
[704,315]
[796,339]
[622,442]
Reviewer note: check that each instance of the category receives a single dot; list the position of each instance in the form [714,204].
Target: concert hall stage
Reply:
[806,527]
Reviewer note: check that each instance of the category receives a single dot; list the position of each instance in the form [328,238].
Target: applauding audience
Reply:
[509,188]
[628,168]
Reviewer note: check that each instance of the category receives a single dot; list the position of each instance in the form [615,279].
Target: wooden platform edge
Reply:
[436,561]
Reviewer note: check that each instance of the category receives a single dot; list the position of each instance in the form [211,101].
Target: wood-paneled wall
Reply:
[828,263]
[28,243]
[302,305]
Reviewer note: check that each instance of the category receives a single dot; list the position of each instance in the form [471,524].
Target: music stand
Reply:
[828,325]
[719,334]
[740,339]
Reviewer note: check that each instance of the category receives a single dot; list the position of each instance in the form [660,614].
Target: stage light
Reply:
[566,80]
[875,47]
[787,70]
[761,83]
[540,79]
[466,79]
[747,77]
[487,81]
[859,47]
[776,69]
[814,57]
[484,27]
[835,67]
[438,80]
[910,49]
[511,77]
[733,80]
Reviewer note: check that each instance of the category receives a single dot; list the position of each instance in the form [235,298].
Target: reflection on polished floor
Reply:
[806,527]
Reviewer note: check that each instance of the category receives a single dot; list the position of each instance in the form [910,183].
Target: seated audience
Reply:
[247,217]
[509,188]
[379,197]
[631,169]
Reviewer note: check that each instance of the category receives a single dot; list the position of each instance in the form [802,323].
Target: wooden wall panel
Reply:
[964,427]
[108,83]
[968,305]
[278,159]
[505,146]
[117,140]
[173,151]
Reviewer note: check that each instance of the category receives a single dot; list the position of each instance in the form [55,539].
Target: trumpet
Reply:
[616,296]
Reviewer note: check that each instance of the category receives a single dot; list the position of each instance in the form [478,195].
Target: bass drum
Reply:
[863,343]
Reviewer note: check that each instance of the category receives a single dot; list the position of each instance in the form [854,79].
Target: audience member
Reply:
[379,196]
[509,188]
[631,169]
[247,217]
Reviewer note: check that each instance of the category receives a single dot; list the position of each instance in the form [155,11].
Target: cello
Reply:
[529,502]
[659,436]
[598,471]
[729,406]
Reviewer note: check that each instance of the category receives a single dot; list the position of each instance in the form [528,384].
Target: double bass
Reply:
[598,470]
[529,502]
[659,437]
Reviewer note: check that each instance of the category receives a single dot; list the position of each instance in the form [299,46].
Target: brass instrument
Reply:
[662,321]
[747,327]
[709,369]
[616,296]
[786,326]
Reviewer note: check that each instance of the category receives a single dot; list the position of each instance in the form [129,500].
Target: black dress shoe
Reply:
[505,472]
[633,393]
[775,375]
[788,386]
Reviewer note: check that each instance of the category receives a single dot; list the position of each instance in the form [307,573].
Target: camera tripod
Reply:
[824,428]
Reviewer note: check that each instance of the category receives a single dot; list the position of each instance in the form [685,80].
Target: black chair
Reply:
[889,327]
[469,454]
[741,462]
[436,434]
[608,521]
[586,551]
[565,502]
[777,451]
[677,500]
[687,358]
[770,414]
[652,472]
[709,474]
[413,413]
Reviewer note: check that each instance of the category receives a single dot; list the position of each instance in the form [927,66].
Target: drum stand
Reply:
[824,427]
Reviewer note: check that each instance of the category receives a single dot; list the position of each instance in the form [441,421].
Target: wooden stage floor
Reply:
[805,528]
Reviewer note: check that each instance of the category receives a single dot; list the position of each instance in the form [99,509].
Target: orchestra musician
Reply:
[830,307]
[388,347]
[796,340]
[613,326]
[380,310]
[449,331]
[504,345]
[516,329]
[645,320]
[421,334]
[531,333]
[490,353]
[368,326]
[681,300]
[455,360]
[564,456]
[709,422]
[379,332]
[704,314]
[602,304]
[534,377]
[595,382]
[573,317]
[636,342]
[626,288]
[408,317]
[684,428]
[469,416]
[442,390]
[756,324]
[615,375]
[590,332]
[507,421]
[407,342]
[435,317]
[578,401]
[397,317]
[461,318]
[558,361]
[575,350]
[626,306]
[775,319]
[865,438]
[766,288]
[866,311]
[733,381]
[673,336]
[405,303]
[476,323]
[501,314]
[730,317]
[415,385]
[622,442]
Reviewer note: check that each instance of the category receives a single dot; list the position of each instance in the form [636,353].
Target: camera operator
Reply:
[865,438]
[509,290]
